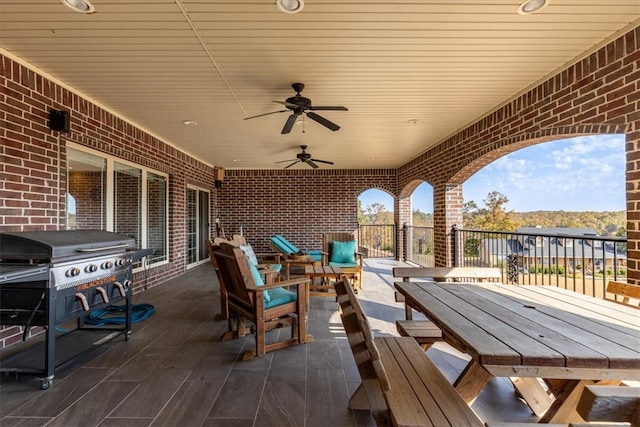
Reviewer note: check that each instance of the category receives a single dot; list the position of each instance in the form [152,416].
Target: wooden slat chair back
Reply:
[369,394]
[212,245]
[625,293]
[327,250]
[246,302]
[400,384]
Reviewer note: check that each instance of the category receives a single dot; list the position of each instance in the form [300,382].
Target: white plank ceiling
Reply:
[441,63]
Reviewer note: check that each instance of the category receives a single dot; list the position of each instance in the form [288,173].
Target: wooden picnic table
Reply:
[568,339]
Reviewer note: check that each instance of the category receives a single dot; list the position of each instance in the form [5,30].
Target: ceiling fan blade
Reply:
[287,167]
[322,161]
[265,114]
[288,104]
[324,122]
[290,160]
[289,125]
[310,163]
[333,108]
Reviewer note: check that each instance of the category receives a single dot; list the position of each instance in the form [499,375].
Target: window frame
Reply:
[110,202]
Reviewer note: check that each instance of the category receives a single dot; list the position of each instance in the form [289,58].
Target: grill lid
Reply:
[49,245]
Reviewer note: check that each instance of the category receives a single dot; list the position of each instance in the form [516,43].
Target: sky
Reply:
[577,174]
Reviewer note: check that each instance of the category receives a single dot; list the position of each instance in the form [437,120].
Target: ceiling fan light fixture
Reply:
[531,6]
[81,6]
[290,6]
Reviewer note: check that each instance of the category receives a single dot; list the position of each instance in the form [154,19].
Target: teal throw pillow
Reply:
[343,252]
[257,278]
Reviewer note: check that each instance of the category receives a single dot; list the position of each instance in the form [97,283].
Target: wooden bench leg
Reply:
[359,399]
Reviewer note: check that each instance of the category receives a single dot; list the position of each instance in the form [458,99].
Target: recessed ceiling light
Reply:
[290,6]
[82,6]
[531,6]
[189,123]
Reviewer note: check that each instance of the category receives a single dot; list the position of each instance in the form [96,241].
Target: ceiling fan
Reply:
[301,105]
[304,157]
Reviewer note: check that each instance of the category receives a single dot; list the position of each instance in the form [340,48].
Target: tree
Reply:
[493,216]
[377,213]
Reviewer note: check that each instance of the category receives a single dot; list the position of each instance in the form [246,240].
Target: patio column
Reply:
[447,212]
[403,216]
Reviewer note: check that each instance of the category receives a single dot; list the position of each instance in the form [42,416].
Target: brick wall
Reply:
[299,204]
[33,174]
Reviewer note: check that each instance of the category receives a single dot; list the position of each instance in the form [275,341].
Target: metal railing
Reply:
[419,246]
[581,263]
[377,240]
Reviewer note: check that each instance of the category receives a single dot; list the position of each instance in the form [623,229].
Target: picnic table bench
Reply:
[400,384]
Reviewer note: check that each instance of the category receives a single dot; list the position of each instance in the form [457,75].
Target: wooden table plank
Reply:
[471,336]
[587,319]
[499,324]
[524,318]
[615,314]
[584,343]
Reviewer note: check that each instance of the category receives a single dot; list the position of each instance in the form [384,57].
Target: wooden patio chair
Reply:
[270,272]
[266,306]
[341,250]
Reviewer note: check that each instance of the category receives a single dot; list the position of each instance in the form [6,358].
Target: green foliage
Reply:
[471,247]
[421,219]
[495,217]
[604,223]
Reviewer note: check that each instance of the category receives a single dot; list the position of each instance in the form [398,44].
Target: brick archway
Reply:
[599,94]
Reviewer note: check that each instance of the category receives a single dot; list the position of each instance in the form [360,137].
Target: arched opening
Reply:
[376,225]
[552,213]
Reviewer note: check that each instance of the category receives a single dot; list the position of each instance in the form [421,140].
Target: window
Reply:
[109,194]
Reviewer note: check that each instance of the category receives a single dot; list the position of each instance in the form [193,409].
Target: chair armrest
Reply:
[281,284]
[269,255]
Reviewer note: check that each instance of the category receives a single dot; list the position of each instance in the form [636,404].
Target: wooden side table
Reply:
[325,273]
[303,261]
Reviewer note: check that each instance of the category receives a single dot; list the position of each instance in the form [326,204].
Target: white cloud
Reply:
[584,173]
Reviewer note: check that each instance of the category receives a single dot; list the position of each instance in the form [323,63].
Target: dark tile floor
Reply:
[174,371]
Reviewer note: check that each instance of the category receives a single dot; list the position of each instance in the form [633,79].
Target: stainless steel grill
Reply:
[51,277]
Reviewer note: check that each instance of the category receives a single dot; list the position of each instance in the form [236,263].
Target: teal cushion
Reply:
[280,296]
[343,252]
[281,245]
[316,255]
[343,264]
[287,245]
[257,278]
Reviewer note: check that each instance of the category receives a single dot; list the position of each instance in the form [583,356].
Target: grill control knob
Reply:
[107,265]
[72,272]
[91,268]
[120,262]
